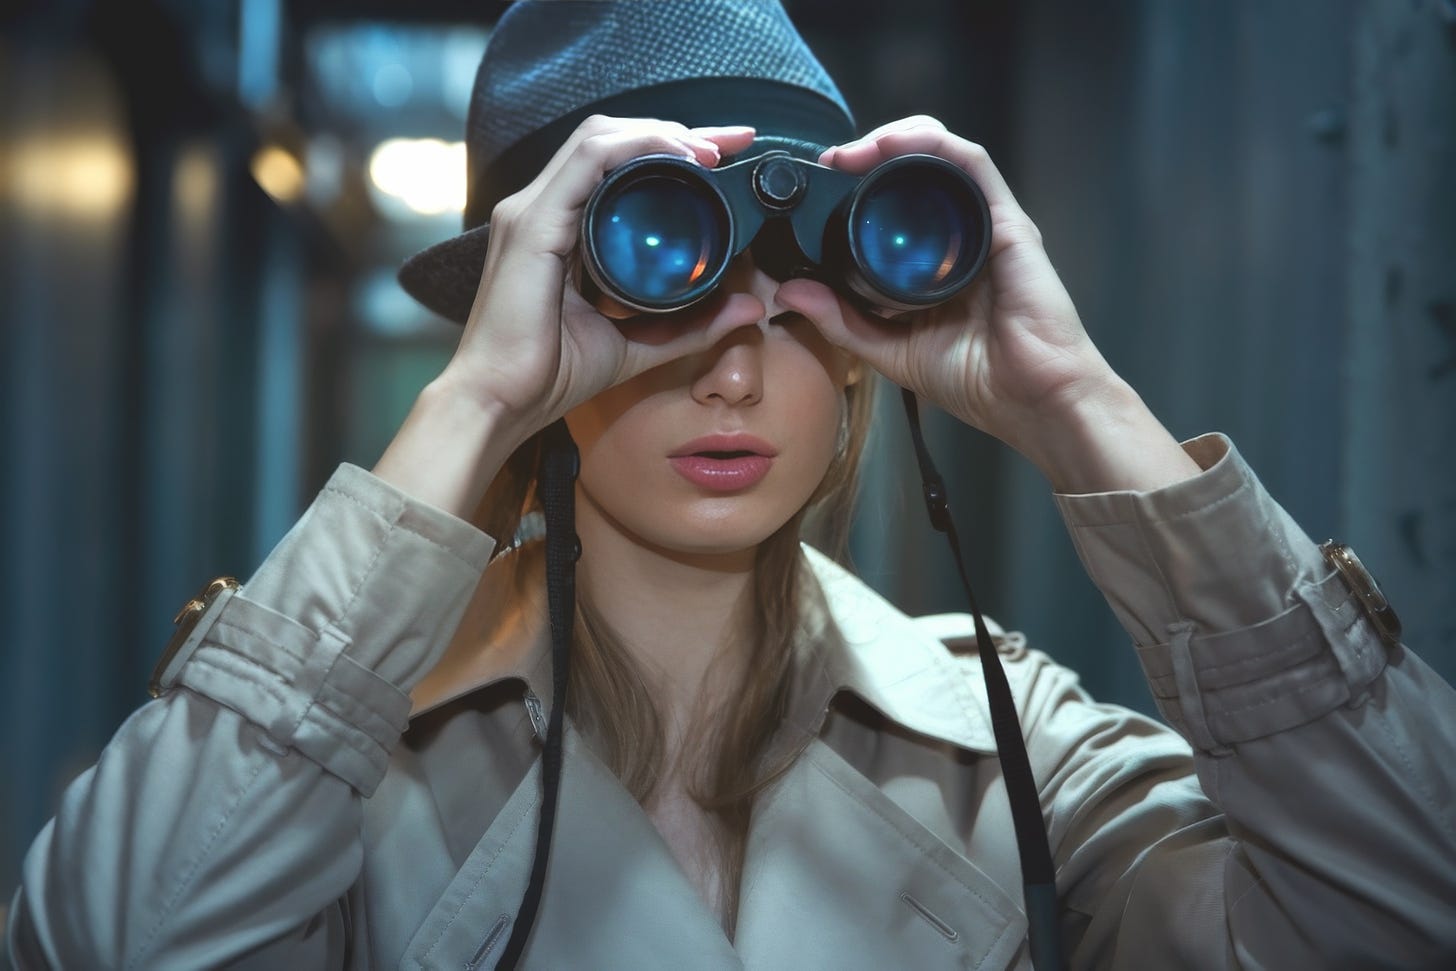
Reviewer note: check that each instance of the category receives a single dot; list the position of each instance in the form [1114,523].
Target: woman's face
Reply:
[712,453]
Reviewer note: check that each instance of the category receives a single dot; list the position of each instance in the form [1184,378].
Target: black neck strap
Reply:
[1038,875]
[556,482]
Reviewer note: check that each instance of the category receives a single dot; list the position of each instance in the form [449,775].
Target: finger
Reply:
[877,342]
[968,155]
[728,138]
[633,137]
[904,124]
[653,340]
[555,209]
[602,142]
[591,127]
[863,154]
[974,159]
[898,125]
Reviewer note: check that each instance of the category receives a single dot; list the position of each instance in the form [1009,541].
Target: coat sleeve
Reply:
[1321,828]
[221,825]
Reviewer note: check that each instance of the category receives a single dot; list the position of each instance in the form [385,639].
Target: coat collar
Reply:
[837,873]
[850,639]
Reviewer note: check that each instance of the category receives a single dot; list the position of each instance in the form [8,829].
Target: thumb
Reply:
[840,323]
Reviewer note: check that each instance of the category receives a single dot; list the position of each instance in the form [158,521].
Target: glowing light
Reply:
[83,175]
[701,265]
[899,240]
[952,253]
[278,173]
[652,240]
[426,174]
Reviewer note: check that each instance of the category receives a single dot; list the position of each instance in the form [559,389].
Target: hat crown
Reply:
[548,59]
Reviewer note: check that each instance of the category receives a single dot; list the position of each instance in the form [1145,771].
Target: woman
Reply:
[767,766]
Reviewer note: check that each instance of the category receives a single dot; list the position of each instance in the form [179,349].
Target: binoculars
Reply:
[659,231]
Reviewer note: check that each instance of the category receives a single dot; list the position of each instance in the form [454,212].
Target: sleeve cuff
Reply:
[344,617]
[1241,626]
[1214,550]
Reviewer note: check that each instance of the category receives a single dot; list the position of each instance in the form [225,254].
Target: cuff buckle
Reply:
[186,620]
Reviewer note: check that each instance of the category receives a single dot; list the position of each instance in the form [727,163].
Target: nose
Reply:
[733,370]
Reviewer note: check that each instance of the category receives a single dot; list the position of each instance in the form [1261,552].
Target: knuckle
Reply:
[596,124]
[665,142]
[506,212]
[1022,231]
[596,145]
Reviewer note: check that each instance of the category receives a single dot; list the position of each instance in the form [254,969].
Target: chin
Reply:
[714,538]
[709,527]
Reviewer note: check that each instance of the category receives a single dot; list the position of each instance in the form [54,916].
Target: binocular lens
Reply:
[659,231]
[915,231]
[660,239]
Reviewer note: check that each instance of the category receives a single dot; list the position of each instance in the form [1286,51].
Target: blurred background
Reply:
[203,205]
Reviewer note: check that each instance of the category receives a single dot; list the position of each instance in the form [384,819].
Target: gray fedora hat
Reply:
[551,63]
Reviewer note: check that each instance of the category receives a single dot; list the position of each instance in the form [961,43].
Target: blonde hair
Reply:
[609,699]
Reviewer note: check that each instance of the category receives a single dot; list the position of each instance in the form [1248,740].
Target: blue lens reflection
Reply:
[658,239]
[912,230]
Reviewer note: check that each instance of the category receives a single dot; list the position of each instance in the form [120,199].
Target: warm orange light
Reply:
[702,264]
[89,176]
[279,173]
[951,255]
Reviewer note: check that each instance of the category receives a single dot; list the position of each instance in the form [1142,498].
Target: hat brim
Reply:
[446,276]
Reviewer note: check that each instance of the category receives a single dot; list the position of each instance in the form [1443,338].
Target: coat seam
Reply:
[392,523]
[475,885]
[171,905]
[926,852]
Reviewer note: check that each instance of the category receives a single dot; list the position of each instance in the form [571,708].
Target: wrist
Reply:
[449,448]
[1105,439]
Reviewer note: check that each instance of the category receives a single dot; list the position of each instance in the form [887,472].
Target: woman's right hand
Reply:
[533,348]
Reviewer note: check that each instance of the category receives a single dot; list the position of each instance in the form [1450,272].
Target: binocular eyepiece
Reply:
[659,232]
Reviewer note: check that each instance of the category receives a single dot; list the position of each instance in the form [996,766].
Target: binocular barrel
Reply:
[659,232]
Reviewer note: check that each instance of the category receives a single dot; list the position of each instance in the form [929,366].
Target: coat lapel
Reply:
[839,876]
[614,896]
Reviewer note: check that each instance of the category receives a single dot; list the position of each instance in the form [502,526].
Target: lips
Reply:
[723,463]
[725,446]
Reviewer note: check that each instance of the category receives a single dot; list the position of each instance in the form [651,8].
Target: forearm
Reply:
[1105,440]
[449,448]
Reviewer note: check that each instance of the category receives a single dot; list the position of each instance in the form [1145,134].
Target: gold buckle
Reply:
[1367,592]
[186,620]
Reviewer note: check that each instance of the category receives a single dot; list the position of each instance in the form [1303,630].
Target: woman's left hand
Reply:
[1008,354]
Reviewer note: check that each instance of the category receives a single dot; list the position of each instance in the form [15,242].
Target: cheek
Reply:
[811,413]
[613,434]
[606,414]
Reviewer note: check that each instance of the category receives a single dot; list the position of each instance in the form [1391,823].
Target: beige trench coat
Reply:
[267,813]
